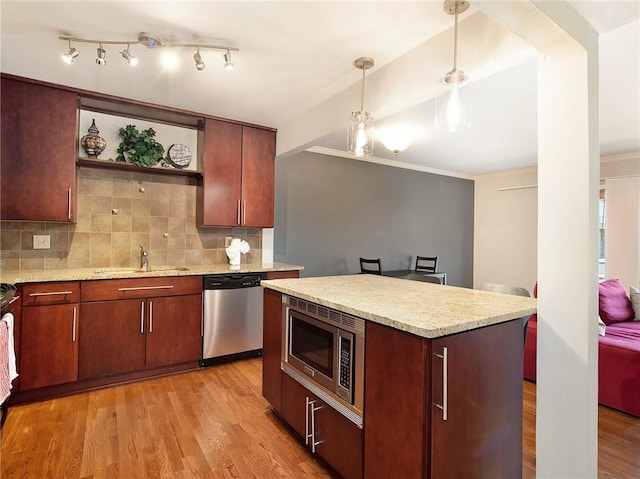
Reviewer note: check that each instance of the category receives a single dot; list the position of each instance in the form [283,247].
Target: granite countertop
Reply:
[127,272]
[424,309]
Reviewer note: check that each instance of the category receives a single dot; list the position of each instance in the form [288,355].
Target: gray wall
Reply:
[330,211]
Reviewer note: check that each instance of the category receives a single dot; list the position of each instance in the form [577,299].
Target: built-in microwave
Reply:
[324,350]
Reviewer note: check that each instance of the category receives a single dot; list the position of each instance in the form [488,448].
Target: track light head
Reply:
[198,59]
[101,60]
[69,56]
[228,64]
[132,60]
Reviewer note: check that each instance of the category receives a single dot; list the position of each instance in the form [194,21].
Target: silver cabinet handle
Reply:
[444,405]
[69,204]
[73,331]
[142,317]
[238,211]
[51,293]
[151,316]
[306,419]
[244,212]
[142,288]
[314,443]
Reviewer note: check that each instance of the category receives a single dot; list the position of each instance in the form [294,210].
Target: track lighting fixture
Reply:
[101,60]
[132,60]
[70,55]
[198,59]
[228,64]
[151,42]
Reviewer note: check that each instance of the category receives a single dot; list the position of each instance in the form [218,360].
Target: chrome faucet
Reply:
[144,259]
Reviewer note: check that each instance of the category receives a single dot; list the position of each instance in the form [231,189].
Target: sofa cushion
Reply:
[634,295]
[614,304]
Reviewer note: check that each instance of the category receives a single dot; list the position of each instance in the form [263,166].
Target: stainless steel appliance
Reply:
[232,317]
[323,349]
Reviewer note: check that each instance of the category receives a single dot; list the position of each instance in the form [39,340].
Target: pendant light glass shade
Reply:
[452,105]
[360,139]
[453,90]
[361,133]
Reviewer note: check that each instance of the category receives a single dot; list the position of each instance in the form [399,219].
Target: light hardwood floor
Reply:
[211,423]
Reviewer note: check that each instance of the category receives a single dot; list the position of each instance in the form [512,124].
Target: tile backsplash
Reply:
[117,212]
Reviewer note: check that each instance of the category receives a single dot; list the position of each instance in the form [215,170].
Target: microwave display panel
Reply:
[312,345]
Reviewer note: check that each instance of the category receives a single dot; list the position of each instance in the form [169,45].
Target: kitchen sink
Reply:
[162,269]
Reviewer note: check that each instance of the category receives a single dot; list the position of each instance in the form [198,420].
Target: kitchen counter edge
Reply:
[82,274]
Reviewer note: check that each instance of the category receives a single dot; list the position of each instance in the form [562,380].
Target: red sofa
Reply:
[618,364]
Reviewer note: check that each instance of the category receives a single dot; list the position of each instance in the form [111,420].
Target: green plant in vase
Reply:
[139,147]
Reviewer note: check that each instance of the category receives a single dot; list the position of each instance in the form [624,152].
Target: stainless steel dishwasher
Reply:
[232,319]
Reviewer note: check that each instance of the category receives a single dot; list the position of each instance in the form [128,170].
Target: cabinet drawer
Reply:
[34,294]
[112,289]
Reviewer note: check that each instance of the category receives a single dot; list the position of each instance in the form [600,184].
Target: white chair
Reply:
[506,289]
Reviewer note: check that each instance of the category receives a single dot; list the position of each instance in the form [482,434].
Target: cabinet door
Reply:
[49,346]
[174,332]
[294,405]
[271,348]
[258,164]
[220,192]
[395,390]
[340,441]
[112,337]
[337,440]
[39,130]
[482,433]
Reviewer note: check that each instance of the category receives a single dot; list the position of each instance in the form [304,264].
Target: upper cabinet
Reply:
[39,128]
[40,152]
[238,175]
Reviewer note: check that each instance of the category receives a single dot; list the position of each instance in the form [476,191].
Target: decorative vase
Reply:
[92,143]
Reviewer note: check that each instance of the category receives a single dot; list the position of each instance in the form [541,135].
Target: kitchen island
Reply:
[442,377]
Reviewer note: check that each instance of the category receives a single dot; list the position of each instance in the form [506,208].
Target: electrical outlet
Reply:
[227,241]
[41,241]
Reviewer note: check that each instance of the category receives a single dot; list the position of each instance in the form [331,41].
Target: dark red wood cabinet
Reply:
[324,430]
[434,408]
[272,340]
[38,162]
[134,324]
[237,187]
[471,416]
[49,334]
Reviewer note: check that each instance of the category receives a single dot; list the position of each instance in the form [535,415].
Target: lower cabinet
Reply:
[445,407]
[49,346]
[153,329]
[49,335]
[324,430]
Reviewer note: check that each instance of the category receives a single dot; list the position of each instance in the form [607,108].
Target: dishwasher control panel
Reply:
[233,281]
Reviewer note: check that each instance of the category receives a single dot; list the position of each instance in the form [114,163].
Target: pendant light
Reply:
[360,136]
[452,99]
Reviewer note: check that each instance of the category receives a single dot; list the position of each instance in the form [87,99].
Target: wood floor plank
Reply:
[211,423]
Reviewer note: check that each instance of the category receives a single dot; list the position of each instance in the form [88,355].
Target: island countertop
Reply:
[424,309]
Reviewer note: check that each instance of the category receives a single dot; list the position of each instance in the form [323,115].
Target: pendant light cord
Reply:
[455,40]
[362,95]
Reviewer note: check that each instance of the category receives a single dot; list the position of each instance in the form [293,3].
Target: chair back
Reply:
[426,264]
[370,266]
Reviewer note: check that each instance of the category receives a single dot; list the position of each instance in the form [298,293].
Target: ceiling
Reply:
[296,58]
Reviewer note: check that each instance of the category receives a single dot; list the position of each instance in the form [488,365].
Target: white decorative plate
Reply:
[179,155]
